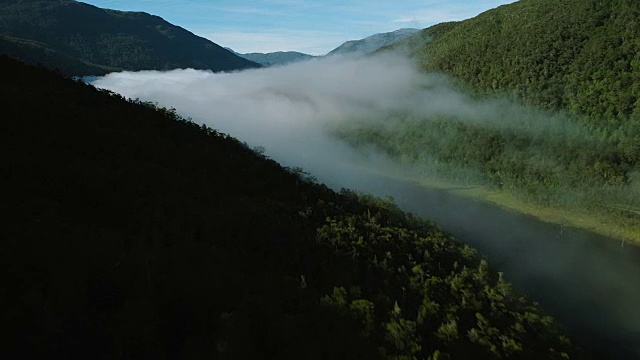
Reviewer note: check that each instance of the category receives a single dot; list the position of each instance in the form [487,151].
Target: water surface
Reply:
[590,283]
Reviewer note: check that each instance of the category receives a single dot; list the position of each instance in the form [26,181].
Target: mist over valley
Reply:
[467,186]
[301,115]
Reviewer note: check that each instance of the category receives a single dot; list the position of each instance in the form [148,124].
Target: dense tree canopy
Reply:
[81,39]
[582,56]
[133,233]
[578,60]
[540,157]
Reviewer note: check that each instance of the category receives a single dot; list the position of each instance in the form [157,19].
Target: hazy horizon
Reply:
[299,25]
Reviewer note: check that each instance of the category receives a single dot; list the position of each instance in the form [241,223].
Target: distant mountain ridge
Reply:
[81,39]
[351,47]
[274,58]
[372,43]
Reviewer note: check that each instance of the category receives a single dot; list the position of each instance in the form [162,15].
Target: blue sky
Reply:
[313,27]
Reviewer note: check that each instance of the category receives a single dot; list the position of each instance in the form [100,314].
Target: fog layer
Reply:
[290,110]
[285,110]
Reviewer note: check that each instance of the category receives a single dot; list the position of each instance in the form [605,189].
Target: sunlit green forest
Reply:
[561,164]
[134,233]
[580,56]
[571,135]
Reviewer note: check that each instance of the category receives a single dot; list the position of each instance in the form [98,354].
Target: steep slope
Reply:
[371,43]
[276,58]
[41,54]
[132,233]
[582,56]
[575,145]
[97,40]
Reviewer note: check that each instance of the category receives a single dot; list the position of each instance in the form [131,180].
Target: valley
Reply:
[582,278]
[464,186]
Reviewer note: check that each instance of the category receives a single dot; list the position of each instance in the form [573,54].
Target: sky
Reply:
[312,27]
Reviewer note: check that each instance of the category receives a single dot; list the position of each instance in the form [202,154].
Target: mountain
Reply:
[372,43]
[81,39]
[38,53]
[580,56]
[355,47]
[275,58]
[558,85]
[133,233]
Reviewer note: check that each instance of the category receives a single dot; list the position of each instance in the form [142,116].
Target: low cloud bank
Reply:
[289,110]
[286,110]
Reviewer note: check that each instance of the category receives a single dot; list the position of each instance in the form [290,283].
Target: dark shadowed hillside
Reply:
[81,39]
[133,233]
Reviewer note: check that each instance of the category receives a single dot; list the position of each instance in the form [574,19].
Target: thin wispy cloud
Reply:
[313,42]
[247,10]
[431,16]
[301,25]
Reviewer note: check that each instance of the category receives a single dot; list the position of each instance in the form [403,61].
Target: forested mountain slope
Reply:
[132,233]
[582,56]
[100,40]
[38,53]
[562,82]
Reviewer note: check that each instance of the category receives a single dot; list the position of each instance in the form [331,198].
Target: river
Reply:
[588,282]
